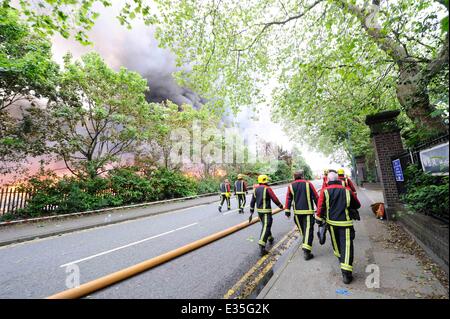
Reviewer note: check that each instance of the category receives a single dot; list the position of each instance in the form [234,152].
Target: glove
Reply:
[251,215]
[287,213]
[319,221]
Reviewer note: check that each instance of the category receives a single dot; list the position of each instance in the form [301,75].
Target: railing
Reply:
[13,199]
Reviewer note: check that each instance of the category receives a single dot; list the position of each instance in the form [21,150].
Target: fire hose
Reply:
[123,274]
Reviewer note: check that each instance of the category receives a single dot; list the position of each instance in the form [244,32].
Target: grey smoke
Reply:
[137,50]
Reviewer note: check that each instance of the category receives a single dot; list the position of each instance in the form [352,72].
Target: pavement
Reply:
[400,275]
[41,267]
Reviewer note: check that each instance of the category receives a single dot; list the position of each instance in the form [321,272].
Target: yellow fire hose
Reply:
[120,275]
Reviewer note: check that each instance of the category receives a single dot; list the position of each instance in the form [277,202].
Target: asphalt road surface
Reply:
[39,268]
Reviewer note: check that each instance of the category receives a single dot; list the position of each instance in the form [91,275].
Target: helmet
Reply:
[240,176]
[262,179]
[340,171]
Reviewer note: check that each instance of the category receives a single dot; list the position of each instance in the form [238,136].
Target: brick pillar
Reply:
[387,142]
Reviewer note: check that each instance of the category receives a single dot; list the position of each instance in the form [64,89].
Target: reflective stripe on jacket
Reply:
[334,204]
[262,197]
[302,196]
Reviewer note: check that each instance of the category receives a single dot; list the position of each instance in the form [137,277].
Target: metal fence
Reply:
[13,199]
[412,156]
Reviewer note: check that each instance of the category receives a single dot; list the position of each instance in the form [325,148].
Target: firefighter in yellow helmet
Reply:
[262,197]
[345,180]
[240,190]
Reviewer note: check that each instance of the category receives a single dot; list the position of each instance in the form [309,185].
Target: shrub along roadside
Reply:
[426,194]
[123,186]
[51,195]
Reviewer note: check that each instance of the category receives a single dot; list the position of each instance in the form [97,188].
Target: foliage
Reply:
[99,115]
[27,73]
[332,61]
[426,194]
[50,195]
[208,185]
[172,125]
[130,187]
[167,184]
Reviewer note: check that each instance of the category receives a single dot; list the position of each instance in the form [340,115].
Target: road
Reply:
[37,268]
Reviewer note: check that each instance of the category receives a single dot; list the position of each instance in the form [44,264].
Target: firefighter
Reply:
[346,181]
[262,197]
[302,196]
[240,190]
[334,206]
[225,194]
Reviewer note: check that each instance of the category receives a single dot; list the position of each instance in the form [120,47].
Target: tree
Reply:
[236,47]
[99,116]
[27,74]
[172,122]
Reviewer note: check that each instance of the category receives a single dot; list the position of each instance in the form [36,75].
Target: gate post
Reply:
[387,142]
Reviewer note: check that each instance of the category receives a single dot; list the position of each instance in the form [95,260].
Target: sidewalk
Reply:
[401,274]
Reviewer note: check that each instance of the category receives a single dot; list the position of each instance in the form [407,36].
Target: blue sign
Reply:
[398,172]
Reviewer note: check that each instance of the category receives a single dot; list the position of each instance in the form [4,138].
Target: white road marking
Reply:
[234,210]
[128,245]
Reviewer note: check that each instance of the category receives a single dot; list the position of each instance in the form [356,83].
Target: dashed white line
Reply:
[128,245]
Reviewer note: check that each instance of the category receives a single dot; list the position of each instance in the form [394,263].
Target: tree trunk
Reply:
[413,97]
[412,85]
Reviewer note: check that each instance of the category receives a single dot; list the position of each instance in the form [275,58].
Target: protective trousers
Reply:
[266,234]
[342,241]
[241,200]
[224,198]
[305,225]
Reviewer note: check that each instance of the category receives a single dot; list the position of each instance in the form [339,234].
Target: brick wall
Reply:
[386,145]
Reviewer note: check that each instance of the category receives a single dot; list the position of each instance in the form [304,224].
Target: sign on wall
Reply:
[398,172]
[435,160]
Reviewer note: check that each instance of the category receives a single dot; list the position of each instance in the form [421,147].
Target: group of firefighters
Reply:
[335,209]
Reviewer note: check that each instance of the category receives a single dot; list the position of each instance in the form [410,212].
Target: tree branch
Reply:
[267,25]
[384,42]
[436,65]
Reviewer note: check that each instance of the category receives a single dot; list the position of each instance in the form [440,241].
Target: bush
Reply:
[129,187]
[208,185]
[167,184]
[426,194]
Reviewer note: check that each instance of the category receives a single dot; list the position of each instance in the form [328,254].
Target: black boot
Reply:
[220,208]
[307,255]
[263,250]
[271,239]
[347,277]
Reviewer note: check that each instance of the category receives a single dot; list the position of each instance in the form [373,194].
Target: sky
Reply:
[138,50]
